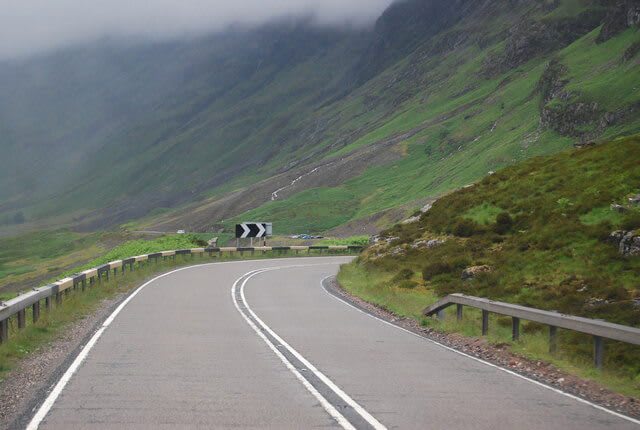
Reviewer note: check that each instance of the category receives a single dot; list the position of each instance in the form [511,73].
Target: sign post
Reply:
[253,229]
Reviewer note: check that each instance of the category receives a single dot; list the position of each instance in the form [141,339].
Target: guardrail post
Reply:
[459,312]
[553,339]
[58,298]
[47,303]
[22,318]
[84,284]
[515,328]
[36,311]
[485,322]
[441,314]
[4,330]
[598,352]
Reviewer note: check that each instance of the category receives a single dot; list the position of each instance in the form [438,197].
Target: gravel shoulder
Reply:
[26,387]
[499,355]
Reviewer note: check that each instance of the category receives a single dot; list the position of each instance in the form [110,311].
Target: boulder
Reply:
[473,271]
[423,243]
[618,208]
[635,200]
[630,244]
[411,220]
[616,237]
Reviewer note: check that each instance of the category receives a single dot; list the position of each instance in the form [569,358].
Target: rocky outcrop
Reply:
[530,39]
[564,112]
[628,242]
[427,244]
[551,84]
[473,271]
[625,14]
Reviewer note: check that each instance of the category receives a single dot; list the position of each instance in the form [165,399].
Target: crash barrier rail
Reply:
[600,330]
[17,307]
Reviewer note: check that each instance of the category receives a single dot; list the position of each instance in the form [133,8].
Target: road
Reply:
[261,344]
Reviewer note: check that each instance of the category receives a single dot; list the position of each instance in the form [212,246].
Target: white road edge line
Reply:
[533,381]
[344,396]
[66,377]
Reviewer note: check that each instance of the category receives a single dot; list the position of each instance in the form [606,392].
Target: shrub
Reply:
[631,221]
[406,284]
[504,223]
[437,268]
[403,275]
[465,228]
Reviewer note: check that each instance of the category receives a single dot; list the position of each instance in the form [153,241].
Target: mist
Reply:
[36,26]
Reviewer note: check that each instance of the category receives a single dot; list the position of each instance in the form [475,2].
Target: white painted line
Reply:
[66,377]
[333,412]
[479,360]
[344,396]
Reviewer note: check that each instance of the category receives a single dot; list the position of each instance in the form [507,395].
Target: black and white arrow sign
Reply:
[251,229]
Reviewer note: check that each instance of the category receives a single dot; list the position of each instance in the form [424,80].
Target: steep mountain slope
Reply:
[486,92]
[341,125]
[153,122]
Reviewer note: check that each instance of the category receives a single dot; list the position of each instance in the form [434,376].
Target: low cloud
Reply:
[34,26]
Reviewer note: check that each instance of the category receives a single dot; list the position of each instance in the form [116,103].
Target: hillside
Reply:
[348,128]
[538,234]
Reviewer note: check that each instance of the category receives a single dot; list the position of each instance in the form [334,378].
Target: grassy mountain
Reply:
[535,234]
[484,92]
[344,126]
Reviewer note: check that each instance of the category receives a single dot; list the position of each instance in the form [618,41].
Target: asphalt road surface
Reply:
[261,344]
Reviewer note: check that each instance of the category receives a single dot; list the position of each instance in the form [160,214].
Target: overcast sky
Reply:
[33,26]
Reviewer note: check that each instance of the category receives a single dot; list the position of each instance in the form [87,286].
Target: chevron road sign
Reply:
[253,229]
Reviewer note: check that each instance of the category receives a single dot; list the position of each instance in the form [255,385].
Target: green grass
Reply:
[474,125]
[138,247]
[483,214]
[353,240]
[36,255]
[601,215]
[379,288]
[554,254]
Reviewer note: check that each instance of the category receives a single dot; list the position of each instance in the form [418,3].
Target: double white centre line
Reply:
[346,411]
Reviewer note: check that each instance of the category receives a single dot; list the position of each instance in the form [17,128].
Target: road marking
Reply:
[310,367]
[548,387]
[66,377]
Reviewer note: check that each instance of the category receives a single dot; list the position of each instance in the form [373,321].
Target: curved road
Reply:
[261,344]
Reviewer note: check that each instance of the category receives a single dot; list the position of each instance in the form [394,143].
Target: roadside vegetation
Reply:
[348,241]
[535,234]
[36,258]
[31,258]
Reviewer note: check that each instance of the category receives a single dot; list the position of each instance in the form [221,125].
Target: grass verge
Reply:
[380,289]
